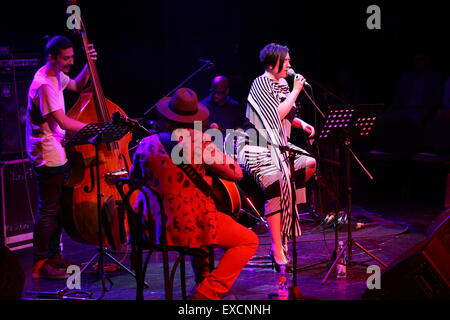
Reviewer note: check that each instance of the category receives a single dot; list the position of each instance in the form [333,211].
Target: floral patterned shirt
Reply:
[191,215]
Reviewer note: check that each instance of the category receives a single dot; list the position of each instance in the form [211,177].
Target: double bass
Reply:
[79,212]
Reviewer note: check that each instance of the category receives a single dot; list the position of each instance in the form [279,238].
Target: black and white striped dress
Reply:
[263,160]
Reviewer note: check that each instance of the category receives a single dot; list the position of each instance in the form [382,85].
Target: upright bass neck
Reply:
[97,90]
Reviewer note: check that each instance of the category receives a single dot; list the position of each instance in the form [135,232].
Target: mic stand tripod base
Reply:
[350,262]
[103,252]
[334,263]
[368,253]
[327,263]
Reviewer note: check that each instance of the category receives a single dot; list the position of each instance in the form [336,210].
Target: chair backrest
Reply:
[142,201]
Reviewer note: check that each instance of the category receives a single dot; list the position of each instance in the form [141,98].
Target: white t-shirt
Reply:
[43,134]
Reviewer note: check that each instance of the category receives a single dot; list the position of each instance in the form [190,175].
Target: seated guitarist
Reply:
[193,220]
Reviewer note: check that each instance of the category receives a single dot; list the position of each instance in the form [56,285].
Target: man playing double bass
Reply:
[45,129]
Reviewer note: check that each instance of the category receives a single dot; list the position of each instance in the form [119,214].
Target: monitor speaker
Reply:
[422,272]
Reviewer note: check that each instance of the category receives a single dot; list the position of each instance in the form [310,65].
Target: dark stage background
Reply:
[147,47]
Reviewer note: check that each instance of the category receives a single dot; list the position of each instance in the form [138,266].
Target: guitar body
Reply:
[227,197]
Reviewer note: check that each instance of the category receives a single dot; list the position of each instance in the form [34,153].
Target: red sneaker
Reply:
[43,270]
[59,262]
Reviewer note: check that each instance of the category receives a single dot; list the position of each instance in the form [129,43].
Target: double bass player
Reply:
[46,124]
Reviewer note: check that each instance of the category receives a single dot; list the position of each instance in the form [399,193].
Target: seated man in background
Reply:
[224,112]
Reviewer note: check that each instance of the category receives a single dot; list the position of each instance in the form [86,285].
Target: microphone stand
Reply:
[314,103]
[294,291]
[316,176]
[206,66]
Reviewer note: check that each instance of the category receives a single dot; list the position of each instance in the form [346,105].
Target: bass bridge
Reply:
[111,177]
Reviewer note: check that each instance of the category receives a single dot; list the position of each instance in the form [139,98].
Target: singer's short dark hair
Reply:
[55,44]
[270,54]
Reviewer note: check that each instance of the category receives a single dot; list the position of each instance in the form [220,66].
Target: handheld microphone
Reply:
[292,73]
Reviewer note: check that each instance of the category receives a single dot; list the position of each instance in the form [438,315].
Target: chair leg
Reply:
[136,262]
[173,271]
[168,283]
[139,276]
[211,259]
[147,259]
[183,277]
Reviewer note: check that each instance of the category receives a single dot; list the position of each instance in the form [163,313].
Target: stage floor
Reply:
[387,239]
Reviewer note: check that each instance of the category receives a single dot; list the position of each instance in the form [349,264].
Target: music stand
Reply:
[94,134]
[343,123]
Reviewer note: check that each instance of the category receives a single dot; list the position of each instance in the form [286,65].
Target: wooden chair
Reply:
[129,189]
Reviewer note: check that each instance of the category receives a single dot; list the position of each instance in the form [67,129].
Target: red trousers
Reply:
[240,244]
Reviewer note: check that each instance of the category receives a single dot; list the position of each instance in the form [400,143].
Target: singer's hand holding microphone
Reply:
[299,80]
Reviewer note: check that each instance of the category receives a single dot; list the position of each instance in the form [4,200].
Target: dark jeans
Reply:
[47,227]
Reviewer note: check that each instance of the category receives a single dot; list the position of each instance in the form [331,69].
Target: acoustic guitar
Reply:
[226,197]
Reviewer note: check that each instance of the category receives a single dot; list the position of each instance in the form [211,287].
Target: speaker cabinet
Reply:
[19,203]
[423,272]
[13,104]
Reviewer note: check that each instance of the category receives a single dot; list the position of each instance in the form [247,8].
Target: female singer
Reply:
[271,112]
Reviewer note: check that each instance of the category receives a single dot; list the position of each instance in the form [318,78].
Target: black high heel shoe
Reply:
[276,266]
